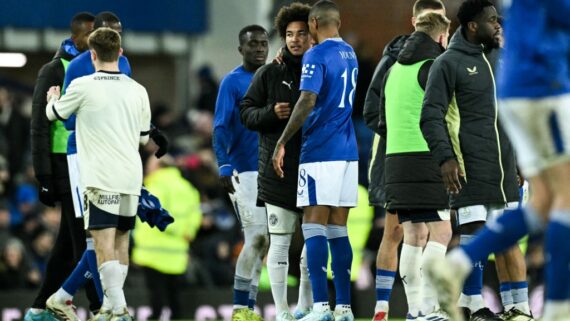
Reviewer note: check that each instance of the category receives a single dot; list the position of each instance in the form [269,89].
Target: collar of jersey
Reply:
[339,39]
[109,72]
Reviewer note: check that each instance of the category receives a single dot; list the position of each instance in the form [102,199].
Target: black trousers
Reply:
[164,291]
[67,251]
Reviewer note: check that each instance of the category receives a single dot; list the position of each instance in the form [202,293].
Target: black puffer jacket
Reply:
[376,193]
[460,120]
[413,178]
[48,165]
[271,84]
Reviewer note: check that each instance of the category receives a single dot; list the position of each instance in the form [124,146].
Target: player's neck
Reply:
[327,34]
[107,66]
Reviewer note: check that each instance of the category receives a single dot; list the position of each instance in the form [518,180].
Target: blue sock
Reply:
[384,284]
[341,254]
[557,254]
[496,238]
[79,276]
[92,261]
[251,304]
[474,282]
[317,259]
[241,291]
[506,295]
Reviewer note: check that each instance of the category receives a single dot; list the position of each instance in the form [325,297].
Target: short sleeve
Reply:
[312,73]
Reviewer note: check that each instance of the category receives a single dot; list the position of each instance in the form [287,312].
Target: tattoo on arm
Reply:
[302,109]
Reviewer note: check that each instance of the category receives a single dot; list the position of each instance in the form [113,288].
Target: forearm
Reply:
[220,145]
[300,113]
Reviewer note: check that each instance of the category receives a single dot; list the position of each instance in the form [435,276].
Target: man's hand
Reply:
[227,184]
[53,92]
[282,110]
[450,173]
[278,57]
[278,155]
[160,140]
[46,191]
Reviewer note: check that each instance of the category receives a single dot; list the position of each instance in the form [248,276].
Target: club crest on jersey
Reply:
[307,71]
[472,71]
[273,219]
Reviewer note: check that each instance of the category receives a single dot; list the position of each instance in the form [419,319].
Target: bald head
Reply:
[326,13]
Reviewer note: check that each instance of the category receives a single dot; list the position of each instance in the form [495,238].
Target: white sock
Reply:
[111,280]
[124,272]
[432,251]
[476,303]
[461,261]
[305,300]
[278,269]
[62,296]
[410,271]
[520,299]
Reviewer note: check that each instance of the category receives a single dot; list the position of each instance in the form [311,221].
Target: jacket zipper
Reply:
[497,129]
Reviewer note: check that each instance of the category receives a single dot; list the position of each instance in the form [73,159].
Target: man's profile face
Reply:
[81,37]
[254,48]
[488,27]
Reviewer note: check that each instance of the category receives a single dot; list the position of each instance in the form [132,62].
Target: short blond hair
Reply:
[432,23]
[107,43]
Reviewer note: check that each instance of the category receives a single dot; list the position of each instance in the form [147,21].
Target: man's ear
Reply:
[93,54]
[240,49]
[120,51]
[472,26]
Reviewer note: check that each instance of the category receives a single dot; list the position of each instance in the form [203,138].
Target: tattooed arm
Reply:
[302,109]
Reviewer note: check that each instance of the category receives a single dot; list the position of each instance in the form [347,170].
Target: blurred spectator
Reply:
[208,90]
[217,244]
[40,248]
[25,203]
[4,170]
[5,233]
[15,271]
[164,255]
[15,127]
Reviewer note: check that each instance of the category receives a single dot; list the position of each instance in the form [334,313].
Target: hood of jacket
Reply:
[419,46]
[460,43]
[67,50]
[395,46]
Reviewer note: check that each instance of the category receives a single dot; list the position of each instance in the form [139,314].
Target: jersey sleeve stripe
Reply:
[56,114]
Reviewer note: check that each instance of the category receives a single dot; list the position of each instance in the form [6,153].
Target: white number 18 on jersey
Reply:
[344,77]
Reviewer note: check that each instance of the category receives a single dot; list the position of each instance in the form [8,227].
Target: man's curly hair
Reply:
[295,12]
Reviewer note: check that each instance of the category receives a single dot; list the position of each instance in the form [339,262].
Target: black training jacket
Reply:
[271,84]
[460,120]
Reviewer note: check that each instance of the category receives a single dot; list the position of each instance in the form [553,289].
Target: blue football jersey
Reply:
[330,70]
[536,53]
[234,145]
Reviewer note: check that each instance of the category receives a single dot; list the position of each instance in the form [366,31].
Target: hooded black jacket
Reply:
[48,165]
[376,193]
[460,120]
[413,179]
[271,84]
